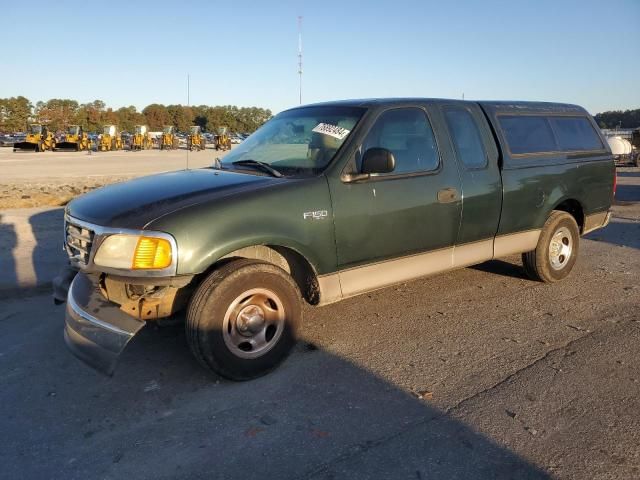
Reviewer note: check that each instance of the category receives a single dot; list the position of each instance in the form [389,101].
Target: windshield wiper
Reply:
[262,165]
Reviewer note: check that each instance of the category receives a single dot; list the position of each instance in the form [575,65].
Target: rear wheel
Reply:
[557,250]
[243,319]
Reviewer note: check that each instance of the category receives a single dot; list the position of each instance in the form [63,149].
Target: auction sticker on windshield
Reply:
[331,130]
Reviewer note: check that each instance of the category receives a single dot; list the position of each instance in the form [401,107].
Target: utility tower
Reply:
[300,55]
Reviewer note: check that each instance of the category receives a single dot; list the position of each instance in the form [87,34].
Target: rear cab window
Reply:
[466,137]
[539,134]
[575,133]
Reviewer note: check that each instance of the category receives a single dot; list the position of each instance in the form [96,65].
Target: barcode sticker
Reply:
[331,130]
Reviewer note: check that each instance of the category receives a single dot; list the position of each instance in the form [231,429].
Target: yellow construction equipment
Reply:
[169,141]
[38,139]
[110,139]
[196,140]
[75,139]
[223,142]
[141,139]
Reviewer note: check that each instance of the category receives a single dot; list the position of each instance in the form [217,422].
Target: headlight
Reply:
[134,252]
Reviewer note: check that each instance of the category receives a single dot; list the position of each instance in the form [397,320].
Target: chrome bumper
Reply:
[96,330]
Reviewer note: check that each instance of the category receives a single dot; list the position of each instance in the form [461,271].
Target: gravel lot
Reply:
[478,373]
[53,178]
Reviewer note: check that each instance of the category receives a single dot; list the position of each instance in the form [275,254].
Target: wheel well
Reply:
[573,208]
[291,261]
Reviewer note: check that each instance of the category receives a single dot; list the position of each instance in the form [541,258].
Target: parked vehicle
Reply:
[196,139]
[141,139]
[110,139]
[74,139]
[38,139]
[8,140]
[326,202]
[222,140]
[169,140]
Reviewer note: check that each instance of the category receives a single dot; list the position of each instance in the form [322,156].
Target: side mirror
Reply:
[378,160]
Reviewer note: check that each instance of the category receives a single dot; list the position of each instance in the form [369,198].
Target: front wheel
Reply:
[557,250]
[243,319]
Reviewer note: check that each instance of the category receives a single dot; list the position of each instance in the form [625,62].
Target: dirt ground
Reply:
[32,179]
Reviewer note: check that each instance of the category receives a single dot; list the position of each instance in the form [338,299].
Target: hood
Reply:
[135,203]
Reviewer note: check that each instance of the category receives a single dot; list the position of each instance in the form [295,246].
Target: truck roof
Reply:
[497,106]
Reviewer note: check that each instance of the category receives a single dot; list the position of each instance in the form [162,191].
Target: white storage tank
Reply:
[619,146]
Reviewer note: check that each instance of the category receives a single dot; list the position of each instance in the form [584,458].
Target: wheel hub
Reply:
[560,248]
[250,320]
[253,323]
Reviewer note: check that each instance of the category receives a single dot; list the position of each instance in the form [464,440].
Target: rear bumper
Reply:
[96,330]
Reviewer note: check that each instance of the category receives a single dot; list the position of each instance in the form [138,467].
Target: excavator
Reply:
[223,142]
[196,140]
[141,139]
[38,139]
[110,139]
[75,139]
[169,141]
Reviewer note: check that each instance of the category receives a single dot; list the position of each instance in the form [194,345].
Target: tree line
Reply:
[619,118]
[17,112]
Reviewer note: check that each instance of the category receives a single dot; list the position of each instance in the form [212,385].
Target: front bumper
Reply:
[96,330]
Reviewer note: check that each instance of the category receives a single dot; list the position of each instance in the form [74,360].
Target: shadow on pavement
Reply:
[627,194]
[628,174]
[621,233]
[8,242]
[501,267]
[162,416]
[47,256]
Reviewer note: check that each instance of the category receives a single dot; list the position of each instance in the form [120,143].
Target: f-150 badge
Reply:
[317,215]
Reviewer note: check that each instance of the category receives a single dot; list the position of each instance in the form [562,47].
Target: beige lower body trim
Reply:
[358,280]
[595,221]
[330,290]
[512,243]
[472,253]
[371,277]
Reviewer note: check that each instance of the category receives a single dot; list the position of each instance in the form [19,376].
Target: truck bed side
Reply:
[534,184]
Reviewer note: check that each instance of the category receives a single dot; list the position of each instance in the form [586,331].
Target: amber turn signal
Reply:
[152,253]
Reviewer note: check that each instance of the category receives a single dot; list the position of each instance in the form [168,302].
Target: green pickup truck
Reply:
[322,203]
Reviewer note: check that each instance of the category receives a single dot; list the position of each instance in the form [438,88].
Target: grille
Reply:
[78,241]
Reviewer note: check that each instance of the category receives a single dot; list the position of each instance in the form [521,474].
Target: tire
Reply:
[557,250]
[213,327]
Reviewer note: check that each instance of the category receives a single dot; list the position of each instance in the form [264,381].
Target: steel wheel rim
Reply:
[253,323]
[560,248]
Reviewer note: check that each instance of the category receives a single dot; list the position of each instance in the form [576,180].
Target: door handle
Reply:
[447,195]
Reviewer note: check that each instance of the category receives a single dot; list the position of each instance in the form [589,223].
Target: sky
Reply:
[245,53]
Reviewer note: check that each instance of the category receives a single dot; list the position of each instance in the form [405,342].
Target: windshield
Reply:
[167,130]
[139,129]
[299,141]
[74,130]
[195,130]
[36,129]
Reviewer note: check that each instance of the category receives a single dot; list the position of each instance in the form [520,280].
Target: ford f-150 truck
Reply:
[322,203]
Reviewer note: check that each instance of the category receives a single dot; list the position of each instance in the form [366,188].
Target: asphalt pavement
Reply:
[477,373]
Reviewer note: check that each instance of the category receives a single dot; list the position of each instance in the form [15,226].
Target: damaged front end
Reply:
[96,330]
[106,307]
